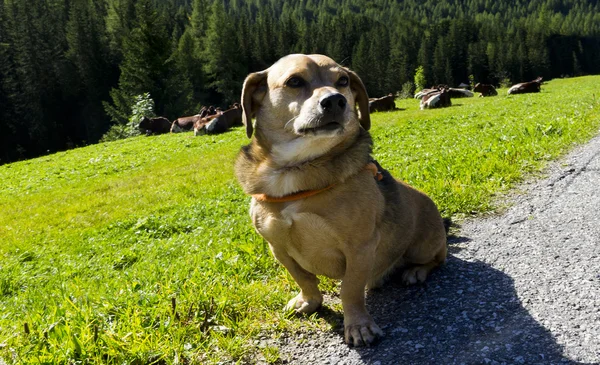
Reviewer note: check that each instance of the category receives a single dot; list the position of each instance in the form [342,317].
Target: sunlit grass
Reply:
[142,250]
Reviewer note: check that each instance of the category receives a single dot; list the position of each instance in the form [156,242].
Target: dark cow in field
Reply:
[382,104]
[183,124]
[526,87]
[485,90]
[459,93]
[229,118]
[440,99]
[158,125]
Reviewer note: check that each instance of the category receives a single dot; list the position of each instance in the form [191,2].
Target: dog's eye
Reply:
[342,81]
[295,82]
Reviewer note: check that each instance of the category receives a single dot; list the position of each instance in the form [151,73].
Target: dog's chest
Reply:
[305,236]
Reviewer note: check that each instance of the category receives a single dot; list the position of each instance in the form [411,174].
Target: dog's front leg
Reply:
[359,327]
[310,298]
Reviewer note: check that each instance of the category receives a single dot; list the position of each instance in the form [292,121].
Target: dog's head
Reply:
[304,105]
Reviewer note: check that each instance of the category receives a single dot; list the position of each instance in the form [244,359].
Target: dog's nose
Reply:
[333,103]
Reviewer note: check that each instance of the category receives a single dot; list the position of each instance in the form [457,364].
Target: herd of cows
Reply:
[213,120]
[210,120]
[441,95]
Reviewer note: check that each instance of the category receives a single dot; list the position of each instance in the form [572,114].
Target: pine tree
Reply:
[119,18]
[179,86]
[146,50]
[361,64]
[222,65]
[88,53]
[42,77]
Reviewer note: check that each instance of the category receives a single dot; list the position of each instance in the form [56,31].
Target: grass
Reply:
[142,251]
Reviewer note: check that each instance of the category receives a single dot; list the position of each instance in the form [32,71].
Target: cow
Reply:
[229,118]
[454,92]
[459,93]
[206,111]
[200,124]
[203,112]
[382,104]
[220,122]
[157,125]
[183,124]
[526,87]
[485,90]
[424,92]
[440,99]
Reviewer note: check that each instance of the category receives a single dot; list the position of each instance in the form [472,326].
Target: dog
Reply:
[319,201]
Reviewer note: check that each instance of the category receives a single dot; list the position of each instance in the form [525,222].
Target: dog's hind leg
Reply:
[417,273]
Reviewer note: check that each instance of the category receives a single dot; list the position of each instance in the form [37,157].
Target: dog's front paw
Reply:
[362,333]
[304,305]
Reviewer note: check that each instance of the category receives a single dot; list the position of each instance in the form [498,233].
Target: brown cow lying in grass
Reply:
[382,104]
[183,124]
[526,87]
[200,124]
[485,90]
[424,92]
[229,118]
[207,110]
[459,93]
[157,125]
[220,122]
[454,92]
[439,99]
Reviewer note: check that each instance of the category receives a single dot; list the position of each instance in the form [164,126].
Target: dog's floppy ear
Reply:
[361,98]
[253,91]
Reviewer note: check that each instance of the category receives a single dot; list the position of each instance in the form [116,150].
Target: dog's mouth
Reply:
[326,127]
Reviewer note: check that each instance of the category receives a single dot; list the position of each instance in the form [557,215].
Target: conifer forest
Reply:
[70,69]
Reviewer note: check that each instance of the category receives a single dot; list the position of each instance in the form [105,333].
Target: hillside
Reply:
[142,250]
[69,70]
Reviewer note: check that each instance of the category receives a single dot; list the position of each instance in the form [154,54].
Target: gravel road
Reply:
[522,287]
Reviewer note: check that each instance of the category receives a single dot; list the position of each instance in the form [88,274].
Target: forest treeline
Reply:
[69,69]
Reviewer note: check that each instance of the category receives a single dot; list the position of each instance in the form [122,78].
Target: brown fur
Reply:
[382,104]
[526,87]
[200,124]
[157,125]
[229,118]
[485,90]
[183,124]
[359,230]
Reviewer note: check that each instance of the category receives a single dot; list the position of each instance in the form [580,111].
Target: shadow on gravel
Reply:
[466,313]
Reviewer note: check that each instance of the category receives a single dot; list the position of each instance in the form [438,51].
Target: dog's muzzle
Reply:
[333,104]
[332,108]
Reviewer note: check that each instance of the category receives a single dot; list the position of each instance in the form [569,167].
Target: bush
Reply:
[505,83]
[420,78]
[407,91]
[142,107]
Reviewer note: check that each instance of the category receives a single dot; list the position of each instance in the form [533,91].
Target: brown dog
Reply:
[320,209]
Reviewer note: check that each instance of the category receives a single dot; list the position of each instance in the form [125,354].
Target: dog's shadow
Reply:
[466,313]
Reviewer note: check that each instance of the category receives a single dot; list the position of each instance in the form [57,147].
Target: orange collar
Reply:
[308,193]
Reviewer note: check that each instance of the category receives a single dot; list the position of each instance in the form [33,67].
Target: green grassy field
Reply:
[142,250]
